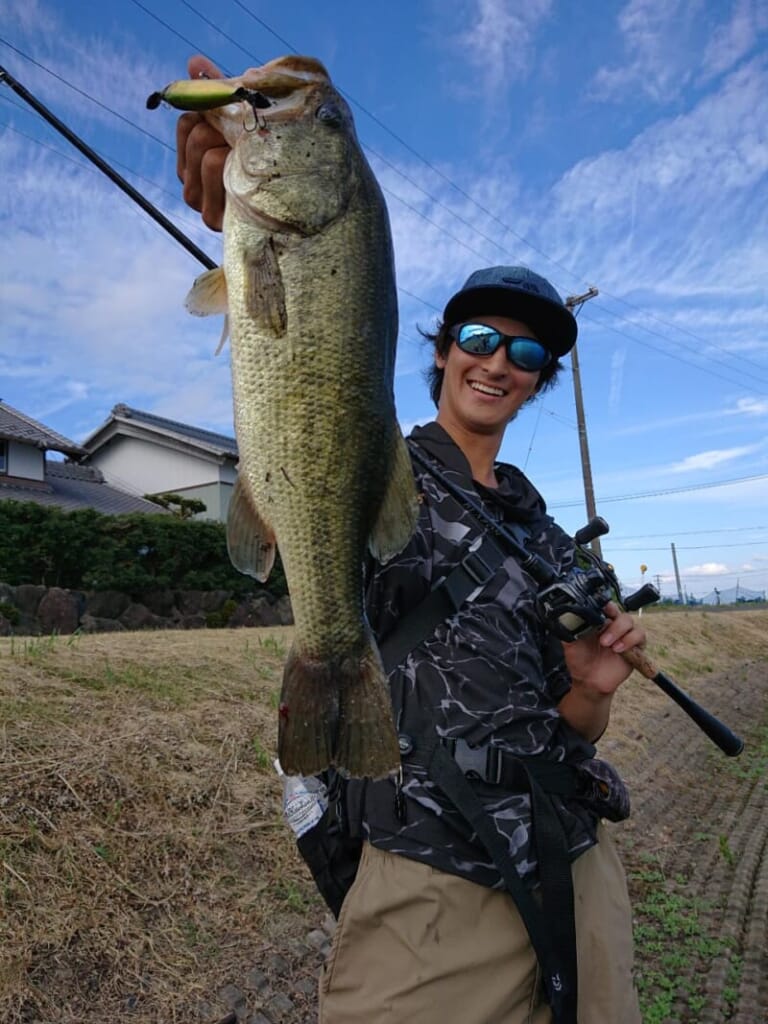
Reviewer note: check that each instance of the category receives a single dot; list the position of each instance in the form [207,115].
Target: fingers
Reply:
[200,155]
[622,631]
[199,66]
[212,179]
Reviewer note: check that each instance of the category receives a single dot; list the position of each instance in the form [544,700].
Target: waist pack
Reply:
[332,847]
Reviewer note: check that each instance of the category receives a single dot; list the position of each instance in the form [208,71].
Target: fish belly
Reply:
[316,431]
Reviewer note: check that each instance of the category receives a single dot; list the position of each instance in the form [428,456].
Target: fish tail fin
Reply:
[366,744]
[337,713]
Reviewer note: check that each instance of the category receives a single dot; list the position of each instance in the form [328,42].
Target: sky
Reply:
[620,146]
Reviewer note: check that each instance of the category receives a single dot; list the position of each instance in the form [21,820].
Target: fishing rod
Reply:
[105,168]
[571,603]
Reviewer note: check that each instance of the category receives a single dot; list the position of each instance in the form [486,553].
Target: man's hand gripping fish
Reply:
[308,285]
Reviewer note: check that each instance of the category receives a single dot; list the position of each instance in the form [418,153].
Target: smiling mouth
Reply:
[486,389]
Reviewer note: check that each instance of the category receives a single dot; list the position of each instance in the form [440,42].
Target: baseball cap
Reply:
[519,293]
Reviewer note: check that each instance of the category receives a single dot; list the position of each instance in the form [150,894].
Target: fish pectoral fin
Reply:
[224,335]
[250,539]
[264,290]
[400,509]
[208,294]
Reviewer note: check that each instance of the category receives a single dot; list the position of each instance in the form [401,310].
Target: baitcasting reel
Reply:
[573,604]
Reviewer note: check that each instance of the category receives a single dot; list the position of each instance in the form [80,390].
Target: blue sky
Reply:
[620,145]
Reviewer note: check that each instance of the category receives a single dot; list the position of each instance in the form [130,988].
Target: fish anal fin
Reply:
[208,294]
[250,539]
[264,290]
[399,510]
[338,713]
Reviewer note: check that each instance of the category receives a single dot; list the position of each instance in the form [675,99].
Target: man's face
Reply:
[481,394]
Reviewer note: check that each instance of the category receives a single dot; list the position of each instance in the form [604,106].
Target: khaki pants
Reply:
[414,945]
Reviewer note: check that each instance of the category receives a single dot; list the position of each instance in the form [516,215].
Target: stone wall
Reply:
[29,610]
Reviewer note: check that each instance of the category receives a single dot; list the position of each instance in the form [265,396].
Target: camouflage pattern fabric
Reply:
[490,674]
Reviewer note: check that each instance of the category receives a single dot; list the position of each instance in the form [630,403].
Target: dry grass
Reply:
[143,859]
[688,645]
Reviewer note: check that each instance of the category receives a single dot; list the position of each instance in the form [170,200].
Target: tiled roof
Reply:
[16,426]
[69,486]
[220,443]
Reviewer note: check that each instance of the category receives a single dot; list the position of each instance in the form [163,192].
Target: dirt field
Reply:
[146,875]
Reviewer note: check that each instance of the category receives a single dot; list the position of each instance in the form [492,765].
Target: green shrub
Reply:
[219,619]
[134,553]
[10,612]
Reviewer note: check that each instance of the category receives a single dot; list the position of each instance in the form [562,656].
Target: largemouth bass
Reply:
[308,284]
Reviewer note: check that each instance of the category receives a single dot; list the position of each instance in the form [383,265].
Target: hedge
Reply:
[134,553]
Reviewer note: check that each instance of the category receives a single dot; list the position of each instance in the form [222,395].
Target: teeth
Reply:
[486,390]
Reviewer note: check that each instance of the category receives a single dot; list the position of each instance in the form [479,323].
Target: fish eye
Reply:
[329,114]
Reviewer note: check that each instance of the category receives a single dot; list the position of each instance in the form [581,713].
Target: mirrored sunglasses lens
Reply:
[477,339]
[527,354]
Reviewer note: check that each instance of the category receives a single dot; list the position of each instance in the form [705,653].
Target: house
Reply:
[27,474]
[147,454]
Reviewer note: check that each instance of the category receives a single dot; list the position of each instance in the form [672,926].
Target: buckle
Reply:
[477,567]
[480,763]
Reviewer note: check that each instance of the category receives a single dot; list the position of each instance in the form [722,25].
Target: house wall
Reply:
[215,496]
[146,467]
[25,461]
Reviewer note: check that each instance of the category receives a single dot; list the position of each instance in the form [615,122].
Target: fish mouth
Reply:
[276,90]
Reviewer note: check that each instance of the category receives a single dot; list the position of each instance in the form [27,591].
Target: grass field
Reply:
[144,863]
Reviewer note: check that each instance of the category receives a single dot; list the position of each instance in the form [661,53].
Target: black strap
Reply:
[475,571]
[551,927]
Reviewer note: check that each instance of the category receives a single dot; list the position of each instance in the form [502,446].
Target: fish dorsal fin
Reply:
[208,294]
[264,291]
[250,539]
[400,509]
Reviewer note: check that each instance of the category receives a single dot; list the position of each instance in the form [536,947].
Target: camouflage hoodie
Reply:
[490,674]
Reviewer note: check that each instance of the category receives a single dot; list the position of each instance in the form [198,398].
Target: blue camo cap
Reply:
[519,293]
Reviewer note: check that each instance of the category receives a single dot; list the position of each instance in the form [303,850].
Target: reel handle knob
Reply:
[596,527]
[647,594]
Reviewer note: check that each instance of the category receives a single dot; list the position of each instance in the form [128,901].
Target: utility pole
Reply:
[677,574]
[571,303]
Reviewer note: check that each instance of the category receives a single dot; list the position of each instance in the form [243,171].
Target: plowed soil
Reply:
[146,875]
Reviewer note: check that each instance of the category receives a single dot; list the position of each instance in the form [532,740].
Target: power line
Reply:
[467,196]
[88,96]
[689,533]
[698,547]
[660,493]
[87,167]
[458,188]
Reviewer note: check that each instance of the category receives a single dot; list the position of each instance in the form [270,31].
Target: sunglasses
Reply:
[481,340]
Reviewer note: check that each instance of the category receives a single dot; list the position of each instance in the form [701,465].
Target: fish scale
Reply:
[324,474]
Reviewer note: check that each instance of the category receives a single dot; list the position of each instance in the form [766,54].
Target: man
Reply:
[429,931]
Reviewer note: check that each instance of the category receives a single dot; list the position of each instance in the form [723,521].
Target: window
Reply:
[3,456]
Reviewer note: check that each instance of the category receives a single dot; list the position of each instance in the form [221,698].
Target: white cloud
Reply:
[750,407]
[734,39]
[499,42]
[653,34]
[697,171]
[710,459]
[659,36]
[708,569]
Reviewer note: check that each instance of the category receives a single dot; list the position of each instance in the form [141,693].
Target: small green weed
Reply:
[261,756]
[273,645]
[671,944]
[725,850]
[33,646]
